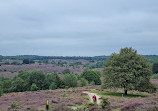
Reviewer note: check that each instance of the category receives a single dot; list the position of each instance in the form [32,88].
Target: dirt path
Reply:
[91,95]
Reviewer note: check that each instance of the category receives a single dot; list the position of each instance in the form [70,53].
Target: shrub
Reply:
[66,71]
[155,76]
[91,75]
[53,86]
[1,91]
[38,77]
[64,95]
[105,103]
[34,87]
[82,82]
[92,83]
[14,105]
[53,77]
[88,105]
[70,80]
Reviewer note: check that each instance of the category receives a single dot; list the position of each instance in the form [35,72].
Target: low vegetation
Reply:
[123,72]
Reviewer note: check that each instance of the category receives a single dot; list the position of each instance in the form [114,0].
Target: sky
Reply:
[78,27]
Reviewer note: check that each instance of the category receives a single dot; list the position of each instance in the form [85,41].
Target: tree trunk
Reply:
[125,92]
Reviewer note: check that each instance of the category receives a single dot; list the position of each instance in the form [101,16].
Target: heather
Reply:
[74,98]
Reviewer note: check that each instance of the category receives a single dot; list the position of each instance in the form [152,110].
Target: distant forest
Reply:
[150,58]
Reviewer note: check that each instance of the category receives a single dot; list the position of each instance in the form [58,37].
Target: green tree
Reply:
[70,80]
[18,84]
[129,71]
[52,77]
[26,61]
[53,86]
[25,76]
[34,87]
[91,75]
[6,85]
[82,82]
[155,68]
[38,77]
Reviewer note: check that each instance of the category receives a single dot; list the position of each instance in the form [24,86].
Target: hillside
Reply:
[75,98]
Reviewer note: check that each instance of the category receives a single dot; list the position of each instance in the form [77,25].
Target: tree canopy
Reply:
[91,76]
[155,68]
[129,71]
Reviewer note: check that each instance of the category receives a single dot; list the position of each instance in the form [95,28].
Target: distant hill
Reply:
[150,58]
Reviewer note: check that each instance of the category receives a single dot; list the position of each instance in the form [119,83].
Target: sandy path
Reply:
[91,95]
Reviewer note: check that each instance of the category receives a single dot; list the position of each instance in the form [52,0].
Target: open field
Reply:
[75,98]
[11,70]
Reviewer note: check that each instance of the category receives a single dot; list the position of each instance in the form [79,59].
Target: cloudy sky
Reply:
[77,27]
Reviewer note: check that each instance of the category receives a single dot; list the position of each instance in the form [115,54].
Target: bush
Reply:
[91,75]
[92,83]
[88,105]
[70,80]
[53,77]
[34,87]
[53,86]
[66,71]
[154,76]
[105,103]
[64,95]
[82,82]
[38,77]
[14,105]
[1,91]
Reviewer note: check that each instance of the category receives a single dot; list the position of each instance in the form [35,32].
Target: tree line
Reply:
[38,80]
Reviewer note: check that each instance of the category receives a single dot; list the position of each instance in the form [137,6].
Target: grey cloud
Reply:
[77,27]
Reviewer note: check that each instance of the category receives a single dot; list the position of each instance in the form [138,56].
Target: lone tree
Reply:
[129,71]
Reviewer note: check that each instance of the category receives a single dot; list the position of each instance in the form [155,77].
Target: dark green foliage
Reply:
[26,61]
[97,65]
[128,70]
[34,87]
[1,91]
[25,76]
[38,77]
[53,86]
[91,75]
[70,80]
[66,71]
[155,68]
[18,84]
[52,78]
[105,103]
[6,85]
[32,62]
[154,76]
[24,80]
[15,63]
[82,82]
